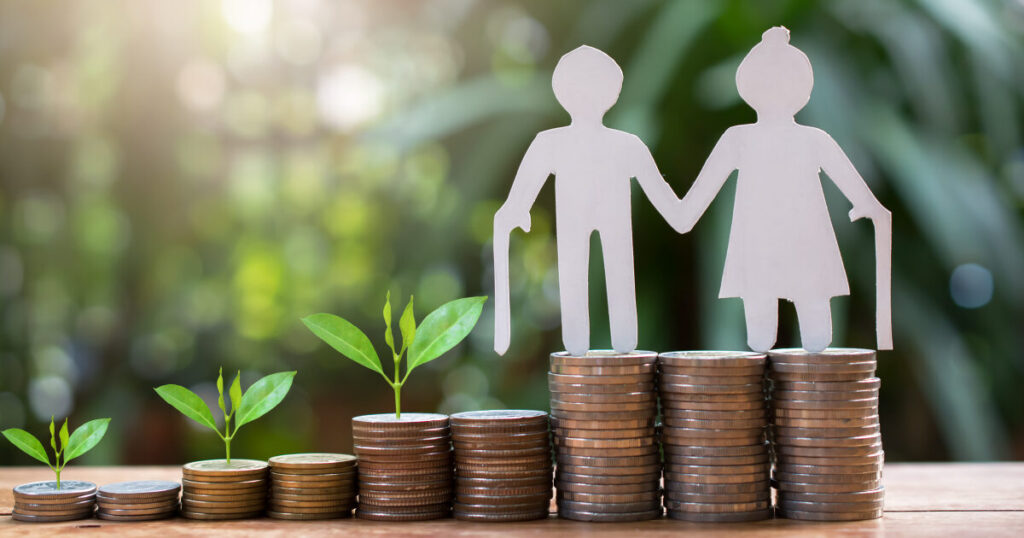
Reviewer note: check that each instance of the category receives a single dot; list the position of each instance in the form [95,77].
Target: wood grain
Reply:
[985,499]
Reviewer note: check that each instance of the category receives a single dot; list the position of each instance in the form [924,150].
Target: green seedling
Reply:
[261,397]
[84,438]
[440,331]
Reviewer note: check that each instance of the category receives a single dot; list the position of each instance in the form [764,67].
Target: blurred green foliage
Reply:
[181,182]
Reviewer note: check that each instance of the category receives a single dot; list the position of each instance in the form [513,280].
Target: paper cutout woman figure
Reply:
[781,244]
[593,166]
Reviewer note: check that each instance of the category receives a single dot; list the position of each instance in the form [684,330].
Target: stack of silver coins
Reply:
[138,500]
[502,465]
[48,502]
[603,411]
[405,466]
[713,433]
[825,434]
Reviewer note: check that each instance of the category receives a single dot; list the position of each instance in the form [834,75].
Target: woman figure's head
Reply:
[775,78]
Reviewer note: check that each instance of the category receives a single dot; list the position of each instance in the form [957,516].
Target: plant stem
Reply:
[57,470]
[398,400]
[227,449]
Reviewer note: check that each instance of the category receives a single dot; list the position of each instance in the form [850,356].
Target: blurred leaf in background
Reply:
[181,182]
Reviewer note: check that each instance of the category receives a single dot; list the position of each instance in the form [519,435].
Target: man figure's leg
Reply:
[573,264]
[617,246]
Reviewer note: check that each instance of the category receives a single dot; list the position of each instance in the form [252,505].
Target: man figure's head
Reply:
[587,83]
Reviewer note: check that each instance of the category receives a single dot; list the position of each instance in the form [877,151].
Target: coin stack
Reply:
[603,409]
[502,465]
[138,500]
[312,486]
[825,434]
[405,466]
[216,489]
[44,502]
[714,420]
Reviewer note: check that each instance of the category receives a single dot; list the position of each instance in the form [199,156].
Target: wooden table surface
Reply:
[974,499]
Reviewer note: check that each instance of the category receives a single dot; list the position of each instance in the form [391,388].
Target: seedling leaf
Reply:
[235,392]
[64,439]
[85,437]
[220,391]
[263,396]
[407,324]
[53,436]
[346,338]
[188,403]
[27,443]
[443,328]
[389,337]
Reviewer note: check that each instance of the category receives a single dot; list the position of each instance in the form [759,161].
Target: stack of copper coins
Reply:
[825,434]
[603,409]
[502,465]
[312,486]
[405,466]
[138,500]
[713,433]
[218,490]
[48,502]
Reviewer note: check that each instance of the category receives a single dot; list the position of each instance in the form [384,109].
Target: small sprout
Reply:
[71,446]
[440,331]
[261,397]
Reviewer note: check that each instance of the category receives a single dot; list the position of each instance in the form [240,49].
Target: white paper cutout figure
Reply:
[593,166]
[781,244]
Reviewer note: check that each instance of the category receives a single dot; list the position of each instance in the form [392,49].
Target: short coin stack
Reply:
[603,409]
[312,486]
[502,465]
[825,434]
[43,502]
[218,490]
[138,500]
[405,466]
[714,419]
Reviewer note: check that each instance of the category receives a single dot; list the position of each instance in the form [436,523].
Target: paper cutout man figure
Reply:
[782,245]
[593,166]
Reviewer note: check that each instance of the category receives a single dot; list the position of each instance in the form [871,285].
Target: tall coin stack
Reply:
[714,418]
[603,409]
[218,490]
[312,486]
[138,500]
[44,502]
[825,434]
[405,466]
[502,465]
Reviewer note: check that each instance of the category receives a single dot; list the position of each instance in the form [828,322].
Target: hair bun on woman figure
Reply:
[776,35]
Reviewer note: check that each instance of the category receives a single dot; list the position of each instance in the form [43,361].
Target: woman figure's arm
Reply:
[714,173]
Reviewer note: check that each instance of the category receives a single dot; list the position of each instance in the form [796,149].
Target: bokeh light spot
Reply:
[971,286]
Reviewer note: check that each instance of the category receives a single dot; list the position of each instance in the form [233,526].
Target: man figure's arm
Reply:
[533,172]
[657,190]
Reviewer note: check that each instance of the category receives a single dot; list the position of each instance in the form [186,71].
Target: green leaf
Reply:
[27,443]
[235,392]
[407,324]
[220,391]
[346,338]
[64,438]
[188,403]
[389,337]
[263,396]
[85,437]
[53,436]
[443,328]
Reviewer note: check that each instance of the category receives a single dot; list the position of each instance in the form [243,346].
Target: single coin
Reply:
[827,478]
[711,371]
[701,433]
[258,494]
[720,424]
[836,386]
[875,495]
[828,451]
[677,415]
[578,388]
[583,506]
[532,506]
[486,473]
[823,394]
[828,442]
[814,369]
[407,465]
[504,454]
[224,487]
[634,369]
[189,514]
[557,405]
[878,458]
[716,489]
[629,461]
[310,509]
[392,500]
[832,354]
[712,441]
[221,507]
[806,506]
[394,450]
[728,498]
[752,389]
[823,377]
[49,489]
[408,421]
[826,405]
[636,497]
[830,516]
[724,461]
[719,508]
[690,478]
[502,491]
[216,468]
[424,458]
[141,511]
[541,478]
[650,479]
[683,379]
[540,513]
[605,452]
[103,504]
[720,517]
[832,470]
[825,414]
[579,515]
[717,469]
[712,359]
[713,451]
[49,519]
[683,400]
[851,487]
[606,489]
[787,422]
[140,489]
[389,516]
[152,517]
[397,509]
[373,441]
[603,358]
[601,424]
[507,437]
[563,379]
[682,408]
[308,517]
[397,476]
[853,432]
[613,416]
[400,435]
[314,478]
[605,434]
[49,509]
[389,487]
[582,442]
[607,397]
[54,501]
[499,415]
[344,490]
[513,502]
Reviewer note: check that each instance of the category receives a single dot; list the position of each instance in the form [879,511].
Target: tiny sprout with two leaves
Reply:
[261,397]
[440,331]
[84,438]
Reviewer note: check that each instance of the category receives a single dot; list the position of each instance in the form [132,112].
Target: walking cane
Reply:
[883,280]
[502,314]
